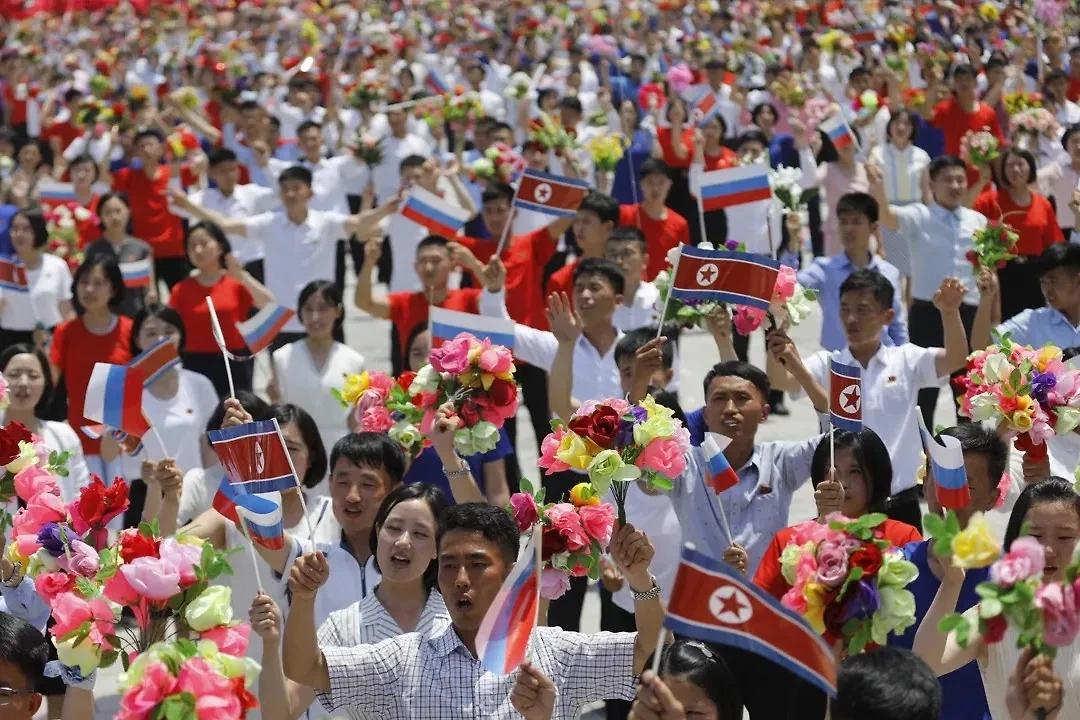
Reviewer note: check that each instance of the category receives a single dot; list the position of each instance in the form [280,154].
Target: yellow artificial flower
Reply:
[574,451]
[1046,354]
[27,457]
[14,555]
[920,474]
[1021,421]
[989,12]
[188,539]
[355,385]
[815,594]
[816,618]
[583,494]
[974,546]
[655,409]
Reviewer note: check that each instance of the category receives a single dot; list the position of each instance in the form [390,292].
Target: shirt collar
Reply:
[944,213]
[753,462]
[447,642]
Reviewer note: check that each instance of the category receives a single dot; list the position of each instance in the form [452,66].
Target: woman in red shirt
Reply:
[710,154]
[220,276]
[98,334]
[1031,215]
[863,468]
[83,172]
[675,144]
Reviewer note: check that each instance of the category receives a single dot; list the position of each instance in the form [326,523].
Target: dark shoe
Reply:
[780,409]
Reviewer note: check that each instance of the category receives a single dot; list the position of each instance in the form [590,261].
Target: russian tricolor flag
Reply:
[503,637]
[432,212]
[129,444]
[13,275]
[254,457]
[435,83]
[136,273]
[114,398]
[52,193]
[156,360]
[261,328]
[721,475]
[261,514]
[448,324]
[946,460]
[550,194]
[837,131]
[735,186]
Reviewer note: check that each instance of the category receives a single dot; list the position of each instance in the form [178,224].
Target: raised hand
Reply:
[533,694]
[309,573]
[829,496]
[565,323]
[235,414]
[494,275]
[265,617]
[632,552]
[950,296]
[443,428]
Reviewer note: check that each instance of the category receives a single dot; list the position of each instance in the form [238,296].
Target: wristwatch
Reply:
[15,578]
[650,594]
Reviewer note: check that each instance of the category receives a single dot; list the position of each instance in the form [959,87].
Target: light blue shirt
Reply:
[1040,326]
[756,509]
[825,276]
[24,603]
[940,240]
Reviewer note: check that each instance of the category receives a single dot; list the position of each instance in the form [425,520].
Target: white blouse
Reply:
[60,437]
[50,284]
[903,171]
[1001,661]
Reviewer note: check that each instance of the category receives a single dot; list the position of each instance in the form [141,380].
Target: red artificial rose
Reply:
[91,505]
[600,426]
[868,557]
[502,393]
[405,380]
[469,413]
[552,543]
[994,629]
[134,544]
[10,437]
[247,700]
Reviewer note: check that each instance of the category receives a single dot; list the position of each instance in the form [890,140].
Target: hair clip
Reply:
[701,646]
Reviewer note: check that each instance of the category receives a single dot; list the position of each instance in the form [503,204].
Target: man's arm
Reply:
[230,226]
[363,297]
[988,303]
[886,217]
[789,374]
[632,552]
[535,347]
[947,300]
[360,223]
[566,327]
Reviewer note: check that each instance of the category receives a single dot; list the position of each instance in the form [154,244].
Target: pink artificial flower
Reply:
[50,585]
[598,521]
[786,281]
[380,381]
[618,405]
[663,456]
[153,578]
[1025,559]
[375,419]
[23,524]
[70,611]
[832,564]
[230,639]
[679,78]
[565,519]
[1003,489]
[806,569]
[747,319]
[157,683]
[1061,622]
[27,544]
[553,583]
[523,508]
[33,480]
[184,557]
[370,398]
[809,531]
[81,559]
[213,691]
[46,508]
[682,437]
[120,591]
[453,356]
[794,600]
[548,447]
[495,359]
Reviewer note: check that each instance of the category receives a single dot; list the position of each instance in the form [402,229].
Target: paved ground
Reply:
[697,353]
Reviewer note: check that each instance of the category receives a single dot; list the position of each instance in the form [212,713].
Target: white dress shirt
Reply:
[387,176]
[1059,180]
[641,311]
[244,202]
[332,180]
[50,285]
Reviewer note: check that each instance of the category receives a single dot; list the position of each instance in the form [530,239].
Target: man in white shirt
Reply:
[1059,180]
[300,107]
[626,247]
[397,144]
[494,105]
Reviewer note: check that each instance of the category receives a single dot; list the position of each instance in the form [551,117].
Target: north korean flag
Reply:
[721,276]
[13,275]
[550,194]
[254,457]
[713,602]
[845,396]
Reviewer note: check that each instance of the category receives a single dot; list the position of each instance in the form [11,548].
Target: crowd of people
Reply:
[157,156]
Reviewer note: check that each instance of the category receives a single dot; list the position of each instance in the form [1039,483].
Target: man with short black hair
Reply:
[597,216]
[23,654]
[663,228]
[886,684]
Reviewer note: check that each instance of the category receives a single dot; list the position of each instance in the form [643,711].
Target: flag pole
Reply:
[724,521]
[251,546]
[667,299]
[509,222]
[160,442]
[299,490]
[659,650]
[220,338]
[701,214]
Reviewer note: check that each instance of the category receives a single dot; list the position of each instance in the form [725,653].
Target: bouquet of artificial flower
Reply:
[847,583]
[430,110]
[929,54]
[914,99]
[518,86]
[598,118]
[575,533]
[463,107]
[25,463]
[181,142]
[551,135]
[616,443]
[369,150]
[382,404]
[4,399]
[993,246]
[784,182]
[1034,394]
[790,93]
[836,42]
[368,89]
[62,224]
[1034,121]
[814,112]
[606,151]
[1018,101]
[101,86]
[790,301]
[979,149]
[187,97]
[477,377]
[900,33]
[499,163]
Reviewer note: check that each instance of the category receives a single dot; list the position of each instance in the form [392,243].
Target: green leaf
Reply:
[86,588]
[950,622]
[146,530]
[556,423]
[540,496]
[525,486]
[934,524]
[990,607]
[108,658]
[339,397]
[989,590]
[125,662]
[659,482]
[963,634]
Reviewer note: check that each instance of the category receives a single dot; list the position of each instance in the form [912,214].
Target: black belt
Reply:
[904,496]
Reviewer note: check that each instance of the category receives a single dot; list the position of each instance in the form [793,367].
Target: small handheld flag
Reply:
[715,603]
[261,328]
[156,361]
[136,274]
[260,513]
[219,338]
[731,187]
[703,107]
[114,398]
[52,193]
[550,194]
[254,458]
[946,460]
[448,324]
[837,131]
[432,212]
[845,396]
[721,475]
[503,637]
[722,276]
[435,83]
[13,275]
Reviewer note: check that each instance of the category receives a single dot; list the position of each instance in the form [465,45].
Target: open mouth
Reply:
[731,424]
[463,603]
[400,561]
[353,512]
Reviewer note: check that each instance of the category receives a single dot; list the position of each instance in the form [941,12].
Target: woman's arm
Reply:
[566,326]
[230,226]
[260,295]
[279,697]
[498,492]
[940,650]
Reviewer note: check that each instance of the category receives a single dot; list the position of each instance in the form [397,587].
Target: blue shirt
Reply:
[427,468]
[782,151]
[963,697]
[825,276]
[929,138]
[626,184]
[695,423]
[940,240]
[1040,326]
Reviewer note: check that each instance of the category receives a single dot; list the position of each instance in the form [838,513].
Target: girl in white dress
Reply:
[1050,510]
[30,385]
[306,371]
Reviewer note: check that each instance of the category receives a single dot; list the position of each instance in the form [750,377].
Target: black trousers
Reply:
[256,269]
[565,612]
[924,320]
[171,270]
[769,691]
[614,619]
[813,208]
[534,385]
[351,247]
[212,366]
[1020,288]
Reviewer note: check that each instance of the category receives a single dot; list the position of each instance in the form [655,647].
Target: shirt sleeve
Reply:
[817,365]
[909,221]
[795,462]
[334,227]
[365,677]
[922,364]
[24,603]
[1019,327]
[589,668]
[898,328]
[330,634]
[256,226]
[813,277]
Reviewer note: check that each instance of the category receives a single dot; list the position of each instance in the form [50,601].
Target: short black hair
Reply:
[307,125]
[654,166]
[326,289]
[1025,155]
[858,202]
[1051,490]
[371,450]
[858,72]
[605,207]
[146,132]
[213,230]
[974,438]
[632,341]
[39,226]
[629,233]
[871,281]
[604,268]
[125,200]
[964,69]
[572,104]
[86,159]
[255,406]
[437,502]
[739,369]
[702,665]
[411,161]
[871,455]
[218,156]
[944,162]
[497,191]
[1069,132]
[887,683]
[164,313]
[433,241]
[296,172]
[714,64]
[23,645]
[110,269]
[1059,255]
[750,136]
[11,351]
[494,523]
[286,413]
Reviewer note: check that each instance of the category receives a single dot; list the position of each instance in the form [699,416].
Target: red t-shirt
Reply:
[660,235]
[951,119]
[667,144]
[17,108]
[769,578]
[232,302]
[66,132]
[90,229]
[410,309]
[74,351]
[726,159]
[562,281]
[1073,93]
[1036,224]
[524,258]
[150,210]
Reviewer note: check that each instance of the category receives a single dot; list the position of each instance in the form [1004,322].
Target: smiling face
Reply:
[1061,288]
[26,381]
[1016,171]
[407,541]
[734,407]
[21,233]
[356,493]
[204,252]
[949,186]
[1056,526]
[93,290]
[318,315]
[471,571]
